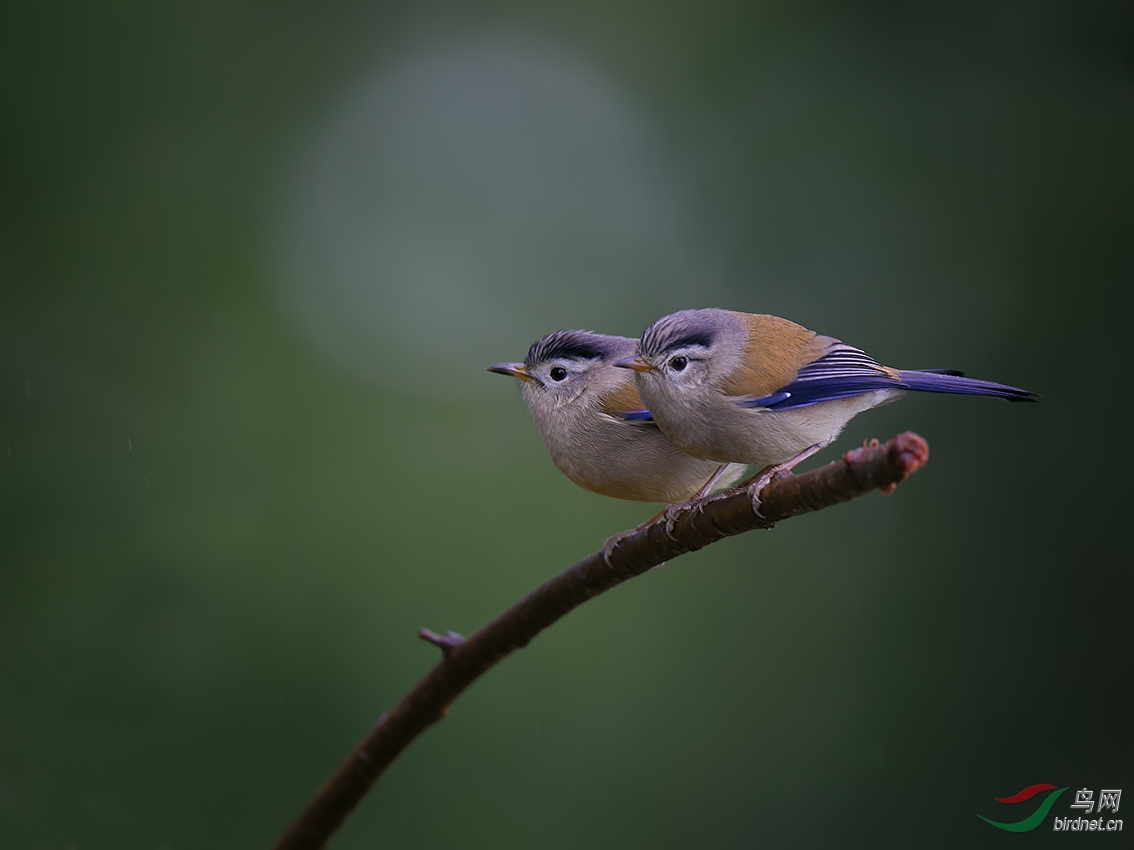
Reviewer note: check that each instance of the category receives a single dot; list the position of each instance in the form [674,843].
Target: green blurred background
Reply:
[254,258]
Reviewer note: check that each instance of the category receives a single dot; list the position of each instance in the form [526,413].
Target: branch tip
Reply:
[903,456]
[910,451]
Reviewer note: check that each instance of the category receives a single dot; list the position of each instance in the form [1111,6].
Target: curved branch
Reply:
[682,529]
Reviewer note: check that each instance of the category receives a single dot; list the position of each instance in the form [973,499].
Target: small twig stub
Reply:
[446,642]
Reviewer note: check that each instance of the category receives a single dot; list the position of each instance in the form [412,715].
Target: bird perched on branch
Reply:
[596,428]
[760,390]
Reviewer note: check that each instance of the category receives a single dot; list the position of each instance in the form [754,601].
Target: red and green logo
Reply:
[1035,818]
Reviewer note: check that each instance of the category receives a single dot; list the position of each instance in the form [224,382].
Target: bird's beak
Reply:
[516,370]
[635,363]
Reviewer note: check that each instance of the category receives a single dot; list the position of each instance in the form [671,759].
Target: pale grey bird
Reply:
[595,426]
[760,390]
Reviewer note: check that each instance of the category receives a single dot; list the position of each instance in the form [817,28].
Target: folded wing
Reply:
[845,371]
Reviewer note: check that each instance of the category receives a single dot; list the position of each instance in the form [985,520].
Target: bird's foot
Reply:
[764,477]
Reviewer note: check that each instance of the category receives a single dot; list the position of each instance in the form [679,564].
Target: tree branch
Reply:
[682,529]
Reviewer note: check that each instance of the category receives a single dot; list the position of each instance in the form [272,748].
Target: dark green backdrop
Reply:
[253,260]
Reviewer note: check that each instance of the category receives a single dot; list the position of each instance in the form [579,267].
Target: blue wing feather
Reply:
[637,416]
[842,372]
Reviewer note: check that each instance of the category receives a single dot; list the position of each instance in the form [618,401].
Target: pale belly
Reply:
[762,437]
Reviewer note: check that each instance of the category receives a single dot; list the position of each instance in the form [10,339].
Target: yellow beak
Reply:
[635,363]
[516,370]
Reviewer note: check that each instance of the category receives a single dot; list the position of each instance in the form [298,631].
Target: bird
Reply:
[756,389]
[596,428]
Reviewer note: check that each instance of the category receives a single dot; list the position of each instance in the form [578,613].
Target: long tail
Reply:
[949,381]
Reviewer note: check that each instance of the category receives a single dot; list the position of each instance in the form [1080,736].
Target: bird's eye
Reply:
[558,373]
[678,363]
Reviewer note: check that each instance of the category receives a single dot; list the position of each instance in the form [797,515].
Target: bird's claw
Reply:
[757,486]
[672,513]
[609,546]
[698,505]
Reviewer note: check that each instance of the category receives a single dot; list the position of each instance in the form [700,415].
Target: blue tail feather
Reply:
[947,381]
